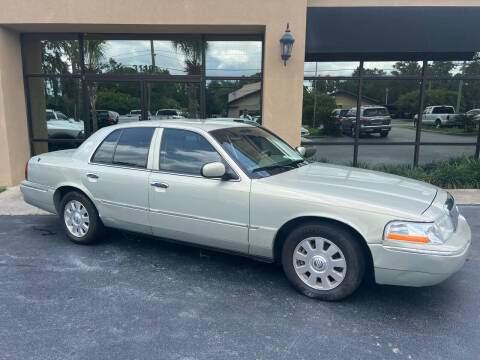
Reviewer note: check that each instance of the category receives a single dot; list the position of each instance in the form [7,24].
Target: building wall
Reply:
[14,141]
[282,86]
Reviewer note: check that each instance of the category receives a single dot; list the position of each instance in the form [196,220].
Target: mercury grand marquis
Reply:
[240,188]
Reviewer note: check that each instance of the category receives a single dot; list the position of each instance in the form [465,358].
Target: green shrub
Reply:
[3,188]
[458,173]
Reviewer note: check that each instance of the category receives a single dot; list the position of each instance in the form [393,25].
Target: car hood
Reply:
[348,186]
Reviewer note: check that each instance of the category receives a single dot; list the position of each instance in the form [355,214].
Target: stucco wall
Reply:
[14,142]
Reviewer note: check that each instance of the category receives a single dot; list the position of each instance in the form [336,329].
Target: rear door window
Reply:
[104,153]
[133,147]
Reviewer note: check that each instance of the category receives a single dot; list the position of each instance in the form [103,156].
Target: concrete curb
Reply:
[466,196]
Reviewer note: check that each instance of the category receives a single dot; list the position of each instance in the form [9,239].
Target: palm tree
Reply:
[192,50]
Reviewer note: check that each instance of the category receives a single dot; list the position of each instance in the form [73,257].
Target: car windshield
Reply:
[258,152]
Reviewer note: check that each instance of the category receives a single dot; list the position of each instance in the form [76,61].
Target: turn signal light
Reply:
[411,238]
[26,170]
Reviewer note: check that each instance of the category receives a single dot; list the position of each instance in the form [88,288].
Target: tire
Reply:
[74,224]
[438,123]
[384,133]
[333,244]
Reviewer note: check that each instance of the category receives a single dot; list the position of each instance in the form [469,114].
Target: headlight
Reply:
[426,233]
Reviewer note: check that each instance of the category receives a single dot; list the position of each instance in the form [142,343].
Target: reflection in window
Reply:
[230,98]
[56,112]
[160,57]
[133,146]
[51,56]
[185,152]
[233,58]
[104,153]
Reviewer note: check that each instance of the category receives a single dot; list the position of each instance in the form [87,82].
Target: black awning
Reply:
[392,33]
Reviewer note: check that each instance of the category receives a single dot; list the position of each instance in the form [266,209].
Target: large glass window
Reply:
[391,94]
[233,58]
[162,57]
[185,152]
[233,99]
[79,83]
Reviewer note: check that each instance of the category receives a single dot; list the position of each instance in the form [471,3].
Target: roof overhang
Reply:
[392,33]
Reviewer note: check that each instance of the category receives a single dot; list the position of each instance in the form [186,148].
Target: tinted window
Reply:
[185,152]
[375,112]
[104,153]
[132,148]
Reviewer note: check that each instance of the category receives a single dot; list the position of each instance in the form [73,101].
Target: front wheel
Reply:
[80,219]
[383,133]
[323,261]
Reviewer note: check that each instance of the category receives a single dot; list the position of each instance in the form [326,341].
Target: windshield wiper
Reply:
[290,165]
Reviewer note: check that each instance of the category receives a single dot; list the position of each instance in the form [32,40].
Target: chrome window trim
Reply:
[223,155]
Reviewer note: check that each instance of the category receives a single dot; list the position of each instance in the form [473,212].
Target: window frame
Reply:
[84,77]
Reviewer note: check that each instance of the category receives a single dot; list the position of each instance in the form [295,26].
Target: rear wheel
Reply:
[80,219]
[323,261]
[438,123]
[384,133]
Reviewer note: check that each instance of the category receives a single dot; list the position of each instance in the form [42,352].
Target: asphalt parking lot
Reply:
[395,154]
[134,297]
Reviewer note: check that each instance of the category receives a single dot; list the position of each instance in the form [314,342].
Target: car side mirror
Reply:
[213,170]
[301,150]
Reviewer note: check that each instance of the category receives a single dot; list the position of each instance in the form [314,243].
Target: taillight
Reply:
[364,120]
[339,118]
[26,170]
[448,117]
[139,117]
[388,120]
[110,120]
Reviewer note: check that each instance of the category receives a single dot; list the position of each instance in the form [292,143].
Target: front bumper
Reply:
[421,266]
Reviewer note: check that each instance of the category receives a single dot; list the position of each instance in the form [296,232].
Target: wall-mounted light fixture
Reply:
[286,42]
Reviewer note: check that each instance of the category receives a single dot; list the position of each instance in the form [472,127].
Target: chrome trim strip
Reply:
[428,252]
[193,217]
[113,203]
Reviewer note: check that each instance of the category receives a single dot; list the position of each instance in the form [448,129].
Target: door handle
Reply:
[92,176]
[159,184]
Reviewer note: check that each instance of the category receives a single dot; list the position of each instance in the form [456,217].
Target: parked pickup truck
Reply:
[438,116]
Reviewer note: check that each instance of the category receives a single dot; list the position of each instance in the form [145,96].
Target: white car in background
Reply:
[304,131]
[240,188]
[163,114]
[60,126]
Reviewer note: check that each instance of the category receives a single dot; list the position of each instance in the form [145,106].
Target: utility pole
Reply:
[386,96]
[459,93]
[154,68]
[315,97]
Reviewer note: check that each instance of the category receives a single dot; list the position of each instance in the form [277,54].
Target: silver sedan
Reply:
[241,189]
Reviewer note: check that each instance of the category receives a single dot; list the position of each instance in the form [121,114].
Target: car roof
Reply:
[194,124]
